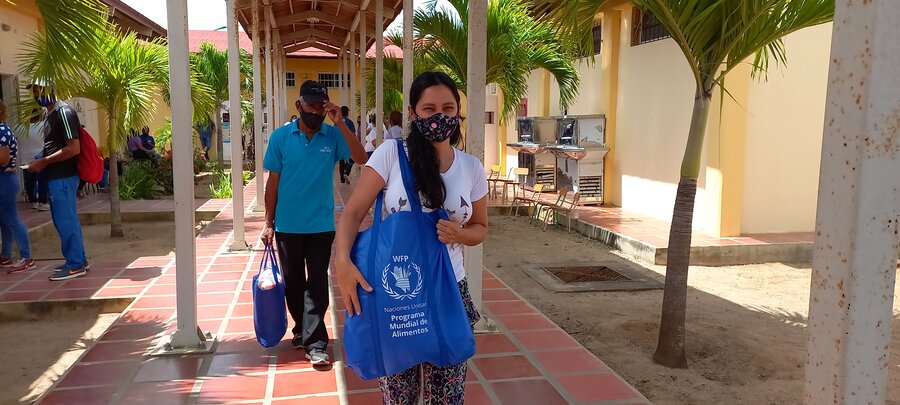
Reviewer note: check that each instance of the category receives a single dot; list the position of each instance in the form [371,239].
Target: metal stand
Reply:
[183,342]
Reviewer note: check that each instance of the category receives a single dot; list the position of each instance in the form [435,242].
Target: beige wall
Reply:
[655,101]
[590,90]
[784,137]
[309,69]
[22,20]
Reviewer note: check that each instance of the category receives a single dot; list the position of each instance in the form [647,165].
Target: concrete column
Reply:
[354,111]
[379,71]
[346,78]
[407,60]
[282,63]
[363,94]
[257,109]
[475,94]
[271,124]
[237,146]
[187,337]
[858,216]
[340,72]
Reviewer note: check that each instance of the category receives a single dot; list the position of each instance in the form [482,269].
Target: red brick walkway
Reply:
[532,361]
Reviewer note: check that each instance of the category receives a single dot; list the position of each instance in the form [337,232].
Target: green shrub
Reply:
[221,186]
[138,181]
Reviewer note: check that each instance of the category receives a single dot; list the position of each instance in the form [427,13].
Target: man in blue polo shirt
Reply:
[299,197]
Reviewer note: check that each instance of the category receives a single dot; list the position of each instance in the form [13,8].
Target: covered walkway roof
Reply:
[321,24]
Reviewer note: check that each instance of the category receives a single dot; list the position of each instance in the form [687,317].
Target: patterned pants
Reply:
[442,385]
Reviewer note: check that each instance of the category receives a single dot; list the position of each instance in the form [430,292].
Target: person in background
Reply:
[136,147]
[370,136]
[59,163]
[11,225]
[396,130]
[347,165]
[30,148]
[205,131]
[299,198]
[148,141]
[445,178]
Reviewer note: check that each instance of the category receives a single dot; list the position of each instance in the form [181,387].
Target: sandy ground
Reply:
[37,353]
[746,326]
[141,239]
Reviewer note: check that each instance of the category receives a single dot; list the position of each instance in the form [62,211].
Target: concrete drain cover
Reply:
[596,276]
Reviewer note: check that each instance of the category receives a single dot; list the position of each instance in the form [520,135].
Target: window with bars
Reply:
[646,28]
[290,79]
[597,35]
[333,80]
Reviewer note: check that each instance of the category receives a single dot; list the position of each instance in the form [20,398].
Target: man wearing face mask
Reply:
[299,201]
[59,165]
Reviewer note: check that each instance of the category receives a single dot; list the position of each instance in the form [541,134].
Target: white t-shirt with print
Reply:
[465,182]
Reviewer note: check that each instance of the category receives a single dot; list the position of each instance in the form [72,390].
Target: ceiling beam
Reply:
[316,14]
[308,44]
[310,32]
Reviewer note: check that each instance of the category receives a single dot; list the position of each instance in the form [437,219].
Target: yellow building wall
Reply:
[590,91]
[655,102]
[309,69]
[784,137]
[22,19]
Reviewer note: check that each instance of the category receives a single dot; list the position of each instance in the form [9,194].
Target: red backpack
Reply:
[90,163]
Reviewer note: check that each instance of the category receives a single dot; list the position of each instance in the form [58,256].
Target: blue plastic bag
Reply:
[269,313]
[415,313]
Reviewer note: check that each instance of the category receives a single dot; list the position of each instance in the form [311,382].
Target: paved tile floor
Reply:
[531,360]
[655,232]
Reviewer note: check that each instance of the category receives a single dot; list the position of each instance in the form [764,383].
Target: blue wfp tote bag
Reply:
[415,313]
[269,313]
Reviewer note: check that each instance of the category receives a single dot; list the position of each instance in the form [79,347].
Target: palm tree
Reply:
[122,79]
[517,44]
[393,73]
[211,65]
[715,36]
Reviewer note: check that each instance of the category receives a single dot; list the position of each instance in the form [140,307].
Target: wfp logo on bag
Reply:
[402,279]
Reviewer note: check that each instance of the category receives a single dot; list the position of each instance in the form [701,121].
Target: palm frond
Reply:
[572,20]
[715,36]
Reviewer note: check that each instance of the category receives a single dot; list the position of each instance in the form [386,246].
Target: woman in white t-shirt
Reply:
[446,177]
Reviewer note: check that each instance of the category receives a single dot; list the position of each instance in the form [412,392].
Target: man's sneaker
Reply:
[21,265]
[317,357]
[87,266]
[65,274]
[297,341]
[35,206]
[43,207]
[6,261]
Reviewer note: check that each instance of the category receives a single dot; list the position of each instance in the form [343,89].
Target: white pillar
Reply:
[285,113]
[475,94]
[353,110]
[346,78]
[237,146]
[282,63]
[277,79]
[379,71]
[257,109]
[407,60]
[271,123]
[363,91]
[342,72]
[187,336]
[858,217]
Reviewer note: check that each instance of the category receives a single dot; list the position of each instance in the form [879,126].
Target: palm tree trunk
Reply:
[115,213]
[670,347]
[217,156]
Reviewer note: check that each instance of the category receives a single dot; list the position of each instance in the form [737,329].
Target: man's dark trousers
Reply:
[304,261]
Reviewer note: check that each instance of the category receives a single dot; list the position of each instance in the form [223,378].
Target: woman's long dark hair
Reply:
[422,154]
